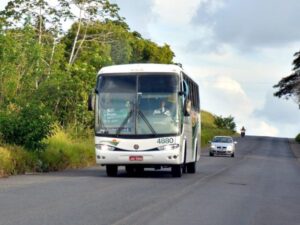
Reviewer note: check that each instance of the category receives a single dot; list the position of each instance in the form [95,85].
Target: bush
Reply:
[5,162]
[27,126]
[298,138]
[225,123]
[15,160]
[63,152]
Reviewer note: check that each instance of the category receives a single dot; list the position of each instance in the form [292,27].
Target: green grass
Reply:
[209,129]
[207,119]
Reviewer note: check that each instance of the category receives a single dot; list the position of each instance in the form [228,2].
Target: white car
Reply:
[222,145]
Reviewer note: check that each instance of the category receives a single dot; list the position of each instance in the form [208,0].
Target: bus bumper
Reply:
[167,157]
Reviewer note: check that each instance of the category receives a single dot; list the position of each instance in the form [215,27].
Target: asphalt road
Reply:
[261,185]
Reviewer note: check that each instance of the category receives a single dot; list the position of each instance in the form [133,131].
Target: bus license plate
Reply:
[135,158]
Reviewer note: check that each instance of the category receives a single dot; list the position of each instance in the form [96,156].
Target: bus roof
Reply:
[142,67]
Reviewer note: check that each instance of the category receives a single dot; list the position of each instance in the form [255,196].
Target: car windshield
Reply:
[222,140]
[137,105]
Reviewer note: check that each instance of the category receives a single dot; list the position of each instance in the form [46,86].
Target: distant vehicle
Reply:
[146,116]
[243,132]
[222,145]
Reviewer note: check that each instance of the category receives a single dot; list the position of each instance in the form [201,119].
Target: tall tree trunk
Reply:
[40,25]
[80,45]
[51,58]
[76,37]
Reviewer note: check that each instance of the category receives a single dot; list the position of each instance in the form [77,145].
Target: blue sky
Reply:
[235,49]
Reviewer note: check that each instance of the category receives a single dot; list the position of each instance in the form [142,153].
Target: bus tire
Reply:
[184,166]
[191,167]
[111,170]
[176,171]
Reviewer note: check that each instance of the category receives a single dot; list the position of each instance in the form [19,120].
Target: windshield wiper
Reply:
[124,122]
[146,121]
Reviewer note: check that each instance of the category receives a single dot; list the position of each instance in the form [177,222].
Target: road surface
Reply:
[261,185]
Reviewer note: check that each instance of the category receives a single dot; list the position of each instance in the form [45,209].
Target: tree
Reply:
[289,86]
[44,19]
[37,13]
[90,11]
[225,123]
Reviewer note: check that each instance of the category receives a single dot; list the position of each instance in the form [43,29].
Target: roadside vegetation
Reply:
[298,138]
[61,152]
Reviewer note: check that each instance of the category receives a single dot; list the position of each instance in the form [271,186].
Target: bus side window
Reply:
[185,88]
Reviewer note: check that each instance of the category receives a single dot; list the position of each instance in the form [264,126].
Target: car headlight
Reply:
[213,147]
[168,147]
[229,147]
[102,147]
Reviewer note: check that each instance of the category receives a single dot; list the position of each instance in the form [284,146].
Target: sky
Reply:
[236,50]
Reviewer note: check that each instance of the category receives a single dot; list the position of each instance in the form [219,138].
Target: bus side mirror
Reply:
[187,107]
[91,102]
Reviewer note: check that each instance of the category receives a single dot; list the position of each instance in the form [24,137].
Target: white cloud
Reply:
[225,96]
[261,128]
[177,12]
[227,84]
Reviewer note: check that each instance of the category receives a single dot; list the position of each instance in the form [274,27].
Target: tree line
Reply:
[47,71]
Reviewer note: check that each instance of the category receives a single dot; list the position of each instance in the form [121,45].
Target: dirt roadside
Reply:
[295,148]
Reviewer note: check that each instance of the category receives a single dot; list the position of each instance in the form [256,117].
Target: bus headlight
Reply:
[168,147]
[102,147]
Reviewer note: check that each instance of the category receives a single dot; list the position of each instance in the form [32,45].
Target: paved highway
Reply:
[261,185]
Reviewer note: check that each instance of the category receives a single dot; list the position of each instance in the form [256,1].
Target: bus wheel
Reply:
[111,170]
[191,167]
[176,171]
[184,167]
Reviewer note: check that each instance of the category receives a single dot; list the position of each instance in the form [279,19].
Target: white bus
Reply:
[146,116]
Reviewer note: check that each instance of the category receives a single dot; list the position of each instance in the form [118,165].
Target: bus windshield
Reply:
[138,105]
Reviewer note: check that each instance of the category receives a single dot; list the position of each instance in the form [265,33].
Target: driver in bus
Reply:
[162,110]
